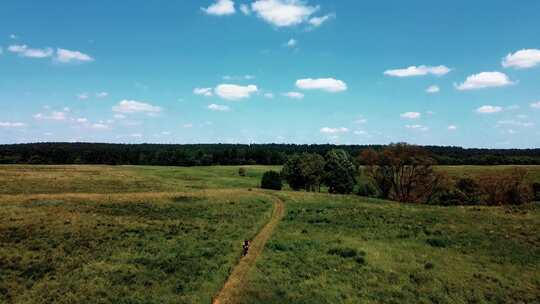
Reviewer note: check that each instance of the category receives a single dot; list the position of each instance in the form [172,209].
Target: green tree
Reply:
[271,180]
[304,171]
[339,172]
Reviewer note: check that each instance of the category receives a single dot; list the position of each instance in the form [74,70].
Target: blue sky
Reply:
[461,73]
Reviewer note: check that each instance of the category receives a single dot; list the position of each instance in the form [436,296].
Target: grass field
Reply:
[101,234]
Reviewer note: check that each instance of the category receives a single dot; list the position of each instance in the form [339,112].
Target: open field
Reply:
[101,234]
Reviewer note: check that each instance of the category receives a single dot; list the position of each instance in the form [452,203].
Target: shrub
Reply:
[469,189]
[505,188]
[271,180]
[242,171]
[536,191]
[366,190]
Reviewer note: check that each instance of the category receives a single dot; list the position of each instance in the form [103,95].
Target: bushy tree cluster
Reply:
[309,171]
[271,180]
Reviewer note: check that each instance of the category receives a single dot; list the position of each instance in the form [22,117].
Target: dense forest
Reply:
[231,154]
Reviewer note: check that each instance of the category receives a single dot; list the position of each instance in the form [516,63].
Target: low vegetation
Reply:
[113,234]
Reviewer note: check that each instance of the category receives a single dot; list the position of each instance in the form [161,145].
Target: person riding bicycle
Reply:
[245,246]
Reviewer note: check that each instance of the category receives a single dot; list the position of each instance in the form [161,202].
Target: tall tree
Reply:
[339,172]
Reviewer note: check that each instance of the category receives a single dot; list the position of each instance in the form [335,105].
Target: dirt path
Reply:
[237,277]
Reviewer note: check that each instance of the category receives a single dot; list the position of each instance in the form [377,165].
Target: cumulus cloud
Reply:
[220,8]
[417,127]
[82,96]
[433,89]
[244,8]
[294,95]
[517,123]
[54,115]
[485,80]
[487,109]
[318,21]
[283,13]
[522,59]
[535,105]
[99,126]
[327,130]
[325,84]
[218,108]
[133,106]
[452,128]
[235,92]
[418,71]
[203,91]
[291,43]
[411,115]
[25,51]
[67,56]
[7,124]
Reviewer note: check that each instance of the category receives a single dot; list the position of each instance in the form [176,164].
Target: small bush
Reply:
[242,172]
[437,243]
[344,252]
[271,180]
[505,188]
[366,190]
[536,191]
[470,190]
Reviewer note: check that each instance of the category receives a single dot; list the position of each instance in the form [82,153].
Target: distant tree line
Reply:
[234,154]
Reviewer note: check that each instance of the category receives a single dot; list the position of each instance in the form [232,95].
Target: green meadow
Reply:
[127,234]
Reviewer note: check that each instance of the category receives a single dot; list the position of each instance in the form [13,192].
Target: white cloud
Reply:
[535,105]
[418,71]
[327,130]
[282,13]
[235,92]
[269,95]
[291,43]
[99,126]
[294,95]
[12,36]
[203,91]
[511,122]
[522,59]
[487,109]
[244,8]
[360,132]
[218,108]
[485,80]
[433,89]
[188,126]
[133,106]
[102,94]
[417,127]
[54,115]
[411,115]
[326,84]
[318,21]
[25,51]
[136,135]
[67,56]
[81,120]
[220,8]
[7,124]
[119,116]
[361,121]
[82,96]
[452,128]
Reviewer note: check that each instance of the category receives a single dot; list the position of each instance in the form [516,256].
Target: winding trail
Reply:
[236,279]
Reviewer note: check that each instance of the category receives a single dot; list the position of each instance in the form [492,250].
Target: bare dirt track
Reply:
[236,279]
